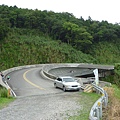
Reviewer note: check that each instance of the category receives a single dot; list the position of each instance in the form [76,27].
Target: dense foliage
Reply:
[35,36]
[30,49]
[79,33]
[117,74]
[3,92]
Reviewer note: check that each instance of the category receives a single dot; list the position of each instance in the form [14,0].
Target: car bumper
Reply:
[72,88]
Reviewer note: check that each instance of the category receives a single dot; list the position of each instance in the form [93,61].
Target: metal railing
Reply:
[96,110]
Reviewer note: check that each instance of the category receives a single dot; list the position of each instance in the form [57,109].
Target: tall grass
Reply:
[3,92]
[106,52]
[30,49]
[5,99]
[113,110]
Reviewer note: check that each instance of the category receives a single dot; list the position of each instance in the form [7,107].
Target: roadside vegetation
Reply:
[30,49]
[112,112]
[35,37]
[4,98]
[87,100]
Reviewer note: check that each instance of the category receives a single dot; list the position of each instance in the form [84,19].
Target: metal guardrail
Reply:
[96,110]
[3,82]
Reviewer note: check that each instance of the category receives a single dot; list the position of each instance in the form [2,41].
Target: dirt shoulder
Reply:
[54,106]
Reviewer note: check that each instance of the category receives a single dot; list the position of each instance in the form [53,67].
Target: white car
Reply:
[67,83]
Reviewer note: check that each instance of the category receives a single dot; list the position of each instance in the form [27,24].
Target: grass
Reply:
[4,98]
[87,100]
[112,112]
[116,91]
[4,102]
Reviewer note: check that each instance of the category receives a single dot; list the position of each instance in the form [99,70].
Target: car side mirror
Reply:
[76,80]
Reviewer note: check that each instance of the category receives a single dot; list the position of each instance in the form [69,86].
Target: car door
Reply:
[59,82]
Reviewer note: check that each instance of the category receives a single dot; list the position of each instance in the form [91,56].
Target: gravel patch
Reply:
[58,106]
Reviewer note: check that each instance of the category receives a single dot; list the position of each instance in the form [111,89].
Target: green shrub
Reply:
[117,74]
[115,78]
[109,79]
[3,92]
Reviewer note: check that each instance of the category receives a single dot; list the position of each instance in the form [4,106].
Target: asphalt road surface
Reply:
[28,82]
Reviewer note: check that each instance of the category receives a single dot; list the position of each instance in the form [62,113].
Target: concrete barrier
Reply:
[3,84]
[5,72]
[46,68]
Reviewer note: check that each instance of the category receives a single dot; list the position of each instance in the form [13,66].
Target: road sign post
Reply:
[96,76]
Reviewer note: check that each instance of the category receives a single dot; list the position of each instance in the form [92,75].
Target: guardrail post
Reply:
[98,115]
[105,102]
[100,108]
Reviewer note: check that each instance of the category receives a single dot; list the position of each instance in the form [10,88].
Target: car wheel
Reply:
[64,89]
[55,85]
[78,89]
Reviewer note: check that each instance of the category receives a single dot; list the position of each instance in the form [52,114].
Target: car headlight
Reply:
[67,86]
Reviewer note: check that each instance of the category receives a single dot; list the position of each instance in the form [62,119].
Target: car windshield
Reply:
[68,80]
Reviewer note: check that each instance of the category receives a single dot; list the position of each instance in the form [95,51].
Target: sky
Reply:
[107,10]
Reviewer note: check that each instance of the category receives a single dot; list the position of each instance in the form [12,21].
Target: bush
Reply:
[113,109]
[3,92]
[117,74]
[115,78]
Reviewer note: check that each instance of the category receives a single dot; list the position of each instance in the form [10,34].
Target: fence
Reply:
[96,110]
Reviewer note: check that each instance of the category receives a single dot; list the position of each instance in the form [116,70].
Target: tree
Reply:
[71,31]
[77,36]
[4,28]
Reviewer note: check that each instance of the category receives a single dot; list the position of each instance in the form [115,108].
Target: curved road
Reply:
[38,100]
[28,82]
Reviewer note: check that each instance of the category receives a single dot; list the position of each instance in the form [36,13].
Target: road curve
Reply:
[28,82]
[38,99]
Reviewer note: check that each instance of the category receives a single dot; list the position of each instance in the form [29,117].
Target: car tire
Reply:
[55,85]
[64,89]
[78,89]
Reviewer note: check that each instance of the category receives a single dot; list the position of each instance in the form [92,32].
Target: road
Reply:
[37,99]
[28,82]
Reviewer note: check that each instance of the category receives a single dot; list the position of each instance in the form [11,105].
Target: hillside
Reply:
[17,50]
[34,37]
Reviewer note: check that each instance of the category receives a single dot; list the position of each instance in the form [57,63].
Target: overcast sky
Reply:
[108,10]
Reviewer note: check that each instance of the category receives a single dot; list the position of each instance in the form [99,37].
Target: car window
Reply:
[68,80]
[59,79]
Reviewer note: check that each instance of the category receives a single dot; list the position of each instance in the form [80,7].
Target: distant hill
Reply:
[34,37]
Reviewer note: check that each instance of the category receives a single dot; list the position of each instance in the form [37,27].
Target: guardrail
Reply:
[4,84]
[96,110]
